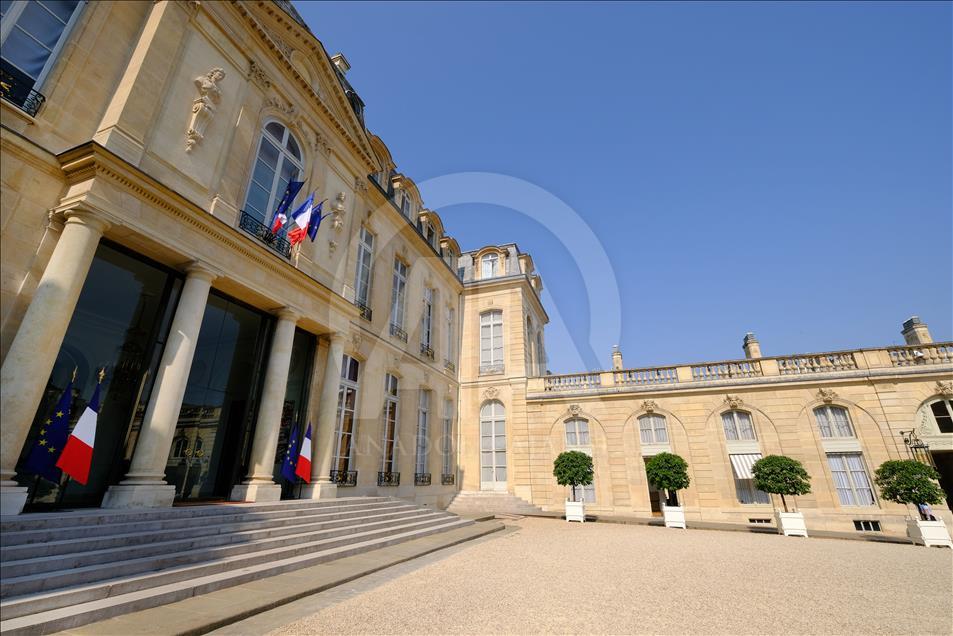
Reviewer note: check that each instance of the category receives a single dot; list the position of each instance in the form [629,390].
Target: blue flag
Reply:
[280,216]
[291,457]
[51,439]
[315,221]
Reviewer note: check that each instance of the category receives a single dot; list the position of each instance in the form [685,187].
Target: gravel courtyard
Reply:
[552,577]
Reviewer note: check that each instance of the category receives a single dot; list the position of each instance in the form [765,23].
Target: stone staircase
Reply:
[63,570]
[480,503]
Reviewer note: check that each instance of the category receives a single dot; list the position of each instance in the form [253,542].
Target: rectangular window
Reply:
[652,429]
[32,35]
[347,405]
[943,414]
[577,433]
[866,525]
[362,278]
[833,421]
[850,479]
[405,205]
[449,330]
[447,446]
[491,339]
[738,426]
[490,265]
[397,295]
[426,326]
[748,494]
[423,423]
[389,436]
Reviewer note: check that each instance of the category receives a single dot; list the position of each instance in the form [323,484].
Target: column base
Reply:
[139,496]
[12,499]
[255,492]
[319,490]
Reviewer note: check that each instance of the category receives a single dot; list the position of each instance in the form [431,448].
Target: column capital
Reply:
[336,338]
[202,270]
[288,313]
[87,217]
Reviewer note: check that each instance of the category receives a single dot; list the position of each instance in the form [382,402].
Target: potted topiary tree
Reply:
[669,473]
[907,481]
[780,475]
[573,468]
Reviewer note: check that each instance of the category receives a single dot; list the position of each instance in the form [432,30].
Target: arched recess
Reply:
[634,453]
[598,449]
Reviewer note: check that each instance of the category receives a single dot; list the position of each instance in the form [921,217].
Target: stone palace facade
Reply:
[144,148]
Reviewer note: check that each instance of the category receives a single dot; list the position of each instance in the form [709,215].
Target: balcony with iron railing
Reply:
[398,333]
[937,356]
[263,233]
[345,478]
[421,479]
[17,88]
[449,366]
[426,351]
[386,478]
[447,479]
[366,312]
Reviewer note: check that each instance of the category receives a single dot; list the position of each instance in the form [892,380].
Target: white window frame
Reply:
[284,154]
[493,446]
[650,434]
[577,433]
[947,404]
[745,489]
[447,445]
[852,483]
[390,423]
[14,11]
[426,320]
[734,428]
[450,343]
[344,440]
[398,294]
[491,331]
[489,262]
[365,266]
[828,427]
[421,463]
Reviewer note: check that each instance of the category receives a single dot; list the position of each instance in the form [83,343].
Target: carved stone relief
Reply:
[203,106]
[649,406]
[733,401]
[257,75]
[826,395]
[491,393]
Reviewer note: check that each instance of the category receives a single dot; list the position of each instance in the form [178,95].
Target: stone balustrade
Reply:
[813,365]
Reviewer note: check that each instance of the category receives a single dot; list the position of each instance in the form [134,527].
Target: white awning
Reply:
[742,464]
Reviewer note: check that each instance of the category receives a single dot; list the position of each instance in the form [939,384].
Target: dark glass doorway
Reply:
[295,410]
[220,401]
[120,323]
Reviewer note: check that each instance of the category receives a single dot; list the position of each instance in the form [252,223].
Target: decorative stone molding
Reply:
[203,106]
[734,402]
[356,340]
[402,253]
[944,388]
[55,220]
[575,410]
[320,143]
[826,395]
[257,75]
[338,211]
[279,104]
[491,393]
[332,245]
[360,184]
[283,46]
[649,406]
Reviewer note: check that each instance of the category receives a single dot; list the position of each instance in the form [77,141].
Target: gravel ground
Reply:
[554,577]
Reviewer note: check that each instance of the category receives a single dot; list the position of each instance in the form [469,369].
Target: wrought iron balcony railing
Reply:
[20,93]
[421,479]
[344,477]
[264,234]
[447,479]
[388,479]
[426,351]
[449,365]
[366,312]
[398,333]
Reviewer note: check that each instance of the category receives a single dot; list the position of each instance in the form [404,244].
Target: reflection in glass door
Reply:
[295,407]
[219,403]
[492,447]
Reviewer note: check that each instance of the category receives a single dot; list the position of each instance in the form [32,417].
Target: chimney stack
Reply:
[616,358]
[341,63]
[751,346]
[916,332]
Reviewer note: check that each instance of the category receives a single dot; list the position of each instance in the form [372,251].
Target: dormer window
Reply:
[405,205]
[490,264]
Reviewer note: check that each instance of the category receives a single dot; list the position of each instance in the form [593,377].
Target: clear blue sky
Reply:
[777,168]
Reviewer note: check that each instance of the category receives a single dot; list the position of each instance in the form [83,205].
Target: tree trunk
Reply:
[783,502]
[574,492]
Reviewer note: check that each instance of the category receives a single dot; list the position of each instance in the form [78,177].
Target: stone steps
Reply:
[76,583]
[478,503]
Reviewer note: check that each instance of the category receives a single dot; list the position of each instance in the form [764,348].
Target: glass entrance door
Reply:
[492,447]
[220,401]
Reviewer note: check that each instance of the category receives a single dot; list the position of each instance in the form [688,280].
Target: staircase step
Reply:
[117,599]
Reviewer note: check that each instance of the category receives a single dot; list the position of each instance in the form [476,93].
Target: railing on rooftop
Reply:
[811,365]
[264,234]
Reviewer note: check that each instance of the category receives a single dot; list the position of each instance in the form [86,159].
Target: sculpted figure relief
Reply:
[203,107]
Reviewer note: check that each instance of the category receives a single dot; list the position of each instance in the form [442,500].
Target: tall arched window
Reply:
[278,162]
[492,446]
[833,421]
[652,429]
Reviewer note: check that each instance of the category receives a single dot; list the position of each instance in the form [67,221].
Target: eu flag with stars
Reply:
[291,457]
[51,439]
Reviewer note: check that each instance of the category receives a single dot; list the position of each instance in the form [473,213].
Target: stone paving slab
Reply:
[202,614]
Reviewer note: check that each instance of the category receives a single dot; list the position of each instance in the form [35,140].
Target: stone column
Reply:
[323,439]
[34,348]
[259,484]
[144,485]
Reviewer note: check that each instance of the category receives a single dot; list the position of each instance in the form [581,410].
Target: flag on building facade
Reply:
[315,222]
[300,220]
[77,455]
[51,438]
[291,456]
[303,469]
[280,217]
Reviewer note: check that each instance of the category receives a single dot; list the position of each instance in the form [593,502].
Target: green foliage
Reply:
[573,468]
[781,475]
[908,481]
[667,471]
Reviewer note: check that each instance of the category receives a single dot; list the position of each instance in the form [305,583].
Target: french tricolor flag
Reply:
[303,468]
[77,455]
[300,221]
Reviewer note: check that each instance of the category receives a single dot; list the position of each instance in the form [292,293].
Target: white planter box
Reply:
[575,511]
[674,516]
[790,524]
[929,533]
